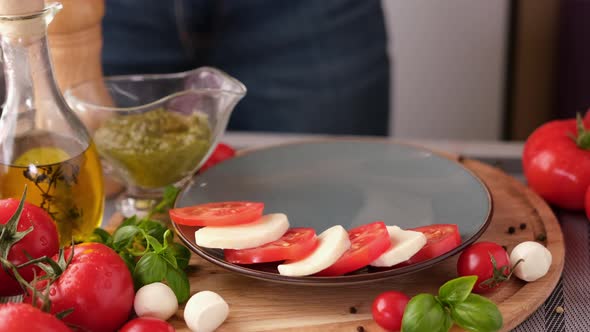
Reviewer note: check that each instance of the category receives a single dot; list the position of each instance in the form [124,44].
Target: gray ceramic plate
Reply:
[321,184]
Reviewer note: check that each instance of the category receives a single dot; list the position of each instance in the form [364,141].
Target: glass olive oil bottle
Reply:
[43,145]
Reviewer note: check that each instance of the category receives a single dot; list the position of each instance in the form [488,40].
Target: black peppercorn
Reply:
[352,310]
[360,329]
[511,230]
[522,226]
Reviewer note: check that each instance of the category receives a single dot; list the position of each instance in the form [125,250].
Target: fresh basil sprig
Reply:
[147,246]
[454,304]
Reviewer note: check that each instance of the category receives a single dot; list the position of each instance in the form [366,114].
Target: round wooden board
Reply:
[263,306]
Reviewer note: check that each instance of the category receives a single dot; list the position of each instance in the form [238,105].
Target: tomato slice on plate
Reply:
[368,242]
[218,214]
[441,238]
[296,244]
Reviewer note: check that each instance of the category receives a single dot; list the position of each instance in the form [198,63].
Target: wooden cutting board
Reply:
[264,306]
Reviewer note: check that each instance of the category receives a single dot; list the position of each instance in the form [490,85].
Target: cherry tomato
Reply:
[441,238]
[42,241]
[147,324]
[96,284]
[296,244]
[368,242]
[23,317]
[222,152]
[218,214]
[476,261]
[555,165]
[388,310]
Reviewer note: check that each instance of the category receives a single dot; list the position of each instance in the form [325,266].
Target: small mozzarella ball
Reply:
[205,311]
[155,300]
[536,260]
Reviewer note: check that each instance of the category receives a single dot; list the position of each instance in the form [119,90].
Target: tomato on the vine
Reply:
[388,309]
[486,260]
[555,161]
[23,317]
[42,240]
[147,324]
[96,284]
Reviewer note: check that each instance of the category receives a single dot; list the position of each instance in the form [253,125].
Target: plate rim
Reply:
[352,278]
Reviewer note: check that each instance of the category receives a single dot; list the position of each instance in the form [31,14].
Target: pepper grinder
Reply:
[75,41]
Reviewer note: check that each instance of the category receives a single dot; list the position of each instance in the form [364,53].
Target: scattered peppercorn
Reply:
[352,310]
[541,237]
[511,230]
[360,329]
[523,226]
[559,309]
[460,158]
[505,248]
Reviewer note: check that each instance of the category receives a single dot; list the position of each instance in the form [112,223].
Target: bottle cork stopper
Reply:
[19,7]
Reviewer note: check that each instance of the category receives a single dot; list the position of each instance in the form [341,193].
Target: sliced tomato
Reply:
[367,243]
[296,244]
[441,238]
[218,214]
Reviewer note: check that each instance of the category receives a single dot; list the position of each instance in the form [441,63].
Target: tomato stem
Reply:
[583,135]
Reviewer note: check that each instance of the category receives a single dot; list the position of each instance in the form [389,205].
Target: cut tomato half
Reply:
[296,244]
[441,238]
[218,214]
[367,243]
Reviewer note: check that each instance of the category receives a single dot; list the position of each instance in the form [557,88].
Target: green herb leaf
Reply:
[424,313]
[168,255]
[182,254]
[154,243]
[128,259]
[168,199]
[131,221]
[150,268]
[168,238]
[124,237]
[456,290]
[178,281]
[153,228]
[101,236]
[477,313]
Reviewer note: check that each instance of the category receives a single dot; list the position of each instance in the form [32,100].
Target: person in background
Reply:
[310,66]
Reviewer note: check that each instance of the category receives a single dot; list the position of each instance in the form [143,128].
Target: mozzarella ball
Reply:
[205,311]
[155,300]
[536,260]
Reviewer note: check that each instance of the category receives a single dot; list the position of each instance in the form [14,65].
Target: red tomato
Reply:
[476,261]
[97,285]
[147,324]
[296,244]
[218,214]
[221,153]
[441,238]
[42,241]
[23,317]
[368,242]
[556,166]
[388,310]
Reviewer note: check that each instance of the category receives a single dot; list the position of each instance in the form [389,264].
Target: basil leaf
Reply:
[168,238]
[168,255]
[150,268]
[178,282]
[424,313]
[168,199]
[477,313]
[124,236]
[448,323]
[128,259]
[131,221]
[153,228]
[99,235]
[154,243]
[182,254]
[456,290]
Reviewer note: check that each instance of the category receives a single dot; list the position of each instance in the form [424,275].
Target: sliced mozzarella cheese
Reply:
[536,260]
[332,243]
[266,229]
[155,300]
[205,311]
[404,245]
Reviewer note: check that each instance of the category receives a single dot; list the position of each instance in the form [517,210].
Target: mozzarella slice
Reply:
[332,243]
[536,260]
[404,245]
[266,229]
[205,311]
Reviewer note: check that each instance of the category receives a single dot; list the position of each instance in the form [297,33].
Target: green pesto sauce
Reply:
[155,148]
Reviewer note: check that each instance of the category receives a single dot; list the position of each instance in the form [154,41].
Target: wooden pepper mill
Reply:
[75,42]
